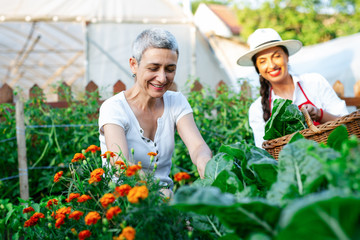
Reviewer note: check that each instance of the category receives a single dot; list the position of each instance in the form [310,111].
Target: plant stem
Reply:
[258,220]
[213,226]
[298,178]
[333,224]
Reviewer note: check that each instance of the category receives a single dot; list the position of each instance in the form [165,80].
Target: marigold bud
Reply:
[112,185]
[73,230]
[105,221]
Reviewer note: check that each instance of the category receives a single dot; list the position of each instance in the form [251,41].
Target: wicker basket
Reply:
[318,134]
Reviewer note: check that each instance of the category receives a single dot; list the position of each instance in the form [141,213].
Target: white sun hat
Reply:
[264,38]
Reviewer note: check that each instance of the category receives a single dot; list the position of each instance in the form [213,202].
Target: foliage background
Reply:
[220,116]
[310,21]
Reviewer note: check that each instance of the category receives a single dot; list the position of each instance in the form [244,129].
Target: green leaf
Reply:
[292,113]
[206,182]
[299,172]
[227,181]
[265,171]
[237,150]
[202,200]
[263,166]
[218,163]
[329,215]
[343,171]
[295,137]
[274,127]
[337,137]
[249,216]
[244,216]
[286,118]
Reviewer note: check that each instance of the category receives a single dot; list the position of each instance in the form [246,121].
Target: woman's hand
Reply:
[314,112]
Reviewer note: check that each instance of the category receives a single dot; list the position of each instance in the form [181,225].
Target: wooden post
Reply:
[197,87]
[339,88]
[21,142]
[6,94]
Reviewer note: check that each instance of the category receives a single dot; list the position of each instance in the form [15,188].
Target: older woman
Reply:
[269,54]
[145,116]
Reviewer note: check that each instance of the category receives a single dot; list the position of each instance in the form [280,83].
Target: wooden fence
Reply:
[7,93]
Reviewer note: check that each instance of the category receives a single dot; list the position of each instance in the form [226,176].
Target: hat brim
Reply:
[292,46]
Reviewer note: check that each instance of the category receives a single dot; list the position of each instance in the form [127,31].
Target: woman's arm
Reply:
[319,115]
[115,140]
[199,151]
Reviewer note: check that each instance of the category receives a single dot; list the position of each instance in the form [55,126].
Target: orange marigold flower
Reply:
[152,154]
[78,157]
[181,176]
[33,219]
[92,148]
[76,215]
[95,175]
[136,193]
[121,164]
[107,199]
[104,155]
[38,215]
[123,190]
[28,209]
[128,233]
[51,202]
[92,218]
[58,176]
[132,170]
[61,212]
[72,196]
[30,223]
[84,234]
[83,198]
[60,221]
[112,212]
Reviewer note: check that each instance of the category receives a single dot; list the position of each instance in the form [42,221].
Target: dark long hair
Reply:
[265,86]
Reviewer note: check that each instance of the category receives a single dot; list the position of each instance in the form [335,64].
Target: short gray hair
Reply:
[153,38]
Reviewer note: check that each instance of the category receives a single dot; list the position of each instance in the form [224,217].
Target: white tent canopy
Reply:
[337,59]
[43,42]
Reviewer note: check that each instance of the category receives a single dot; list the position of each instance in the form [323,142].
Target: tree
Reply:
[310,21]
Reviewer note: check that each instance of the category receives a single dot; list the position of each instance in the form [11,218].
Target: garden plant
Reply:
[311,191]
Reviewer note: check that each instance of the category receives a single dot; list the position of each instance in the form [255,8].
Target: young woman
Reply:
[144,117]
[269,54]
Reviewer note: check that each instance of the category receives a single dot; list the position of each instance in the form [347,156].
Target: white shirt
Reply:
[317,90]
[116,110]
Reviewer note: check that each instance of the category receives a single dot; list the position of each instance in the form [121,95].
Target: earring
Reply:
[134,75]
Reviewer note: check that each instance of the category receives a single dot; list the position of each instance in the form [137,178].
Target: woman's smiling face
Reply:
[272,64]
[156,71]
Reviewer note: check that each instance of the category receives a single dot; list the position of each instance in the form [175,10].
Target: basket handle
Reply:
[308,120]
